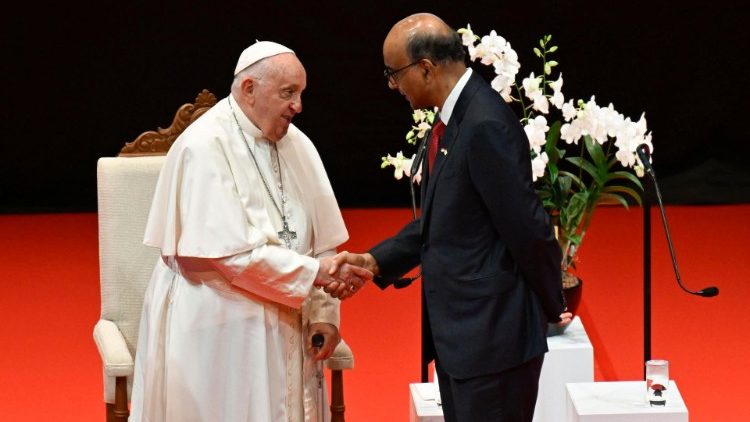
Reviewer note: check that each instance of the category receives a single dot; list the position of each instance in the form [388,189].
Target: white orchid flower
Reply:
[626,158]
[476,52]
[641,124]
[557,96]
[422,129]
[538,165]
[467,36]
[507,63]
[401,165]
[569,111]
[535,131]
[540,102]
[418,175]
[494,45]
[419,115]
[503,84]
[510,61]
[571,132]
[530,86]
[534,93]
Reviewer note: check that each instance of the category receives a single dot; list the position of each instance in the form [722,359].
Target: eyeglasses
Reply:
[390,74]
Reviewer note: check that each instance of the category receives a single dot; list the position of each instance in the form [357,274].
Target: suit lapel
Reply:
[449,138]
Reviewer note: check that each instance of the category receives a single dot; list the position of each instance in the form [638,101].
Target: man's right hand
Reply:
[364,260]
[341,279]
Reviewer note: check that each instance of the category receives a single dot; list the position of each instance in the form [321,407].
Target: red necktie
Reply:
[437,133]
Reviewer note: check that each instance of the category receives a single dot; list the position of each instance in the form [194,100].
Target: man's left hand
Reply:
[565,319]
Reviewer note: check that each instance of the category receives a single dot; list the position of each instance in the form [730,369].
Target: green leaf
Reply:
[596,153]
[553,135]
[623,189]
[575,239]
[579,200]
[585,165]
[625,175]
[611,198]
[537,52]
[573,178]
[565,182]
[575,209]
[552,171]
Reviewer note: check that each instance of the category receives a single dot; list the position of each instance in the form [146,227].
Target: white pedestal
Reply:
[570,359]
[422,406]
[621,401]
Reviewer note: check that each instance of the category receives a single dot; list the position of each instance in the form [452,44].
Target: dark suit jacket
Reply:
[490,261]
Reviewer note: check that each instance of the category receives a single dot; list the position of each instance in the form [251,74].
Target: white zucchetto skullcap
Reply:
[259,51]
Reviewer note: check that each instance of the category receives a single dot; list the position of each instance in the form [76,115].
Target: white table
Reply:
[570,359]
[621,401]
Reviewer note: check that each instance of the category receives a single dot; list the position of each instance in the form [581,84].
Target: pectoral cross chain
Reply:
[287,235]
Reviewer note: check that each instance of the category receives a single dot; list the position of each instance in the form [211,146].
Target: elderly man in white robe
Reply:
[247,223]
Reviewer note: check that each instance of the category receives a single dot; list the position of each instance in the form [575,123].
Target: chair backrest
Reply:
[125,188]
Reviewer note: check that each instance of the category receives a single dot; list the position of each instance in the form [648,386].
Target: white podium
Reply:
[570,359]
[422,406]
[621,401]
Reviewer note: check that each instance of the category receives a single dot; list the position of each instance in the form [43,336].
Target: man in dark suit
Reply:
[490,261]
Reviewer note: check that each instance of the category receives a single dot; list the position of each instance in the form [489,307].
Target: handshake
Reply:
[344,274]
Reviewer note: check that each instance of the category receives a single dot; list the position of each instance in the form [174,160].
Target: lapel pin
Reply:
[444,151]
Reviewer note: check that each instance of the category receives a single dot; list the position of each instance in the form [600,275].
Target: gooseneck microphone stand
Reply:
[419,156]
[646,275]
[644,155]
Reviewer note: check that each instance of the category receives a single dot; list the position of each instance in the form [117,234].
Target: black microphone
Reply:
[643,153]
[709,291]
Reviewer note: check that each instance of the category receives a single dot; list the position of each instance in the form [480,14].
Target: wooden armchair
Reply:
[125,187]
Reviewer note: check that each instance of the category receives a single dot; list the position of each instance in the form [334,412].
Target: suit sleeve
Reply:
[397,255]
[500,169]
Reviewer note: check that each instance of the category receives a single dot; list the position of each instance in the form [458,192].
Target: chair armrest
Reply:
[342,357]
[113,349]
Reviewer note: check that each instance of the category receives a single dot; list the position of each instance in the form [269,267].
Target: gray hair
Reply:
[257,71]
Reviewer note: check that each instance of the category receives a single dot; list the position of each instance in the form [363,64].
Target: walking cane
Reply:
[317,342]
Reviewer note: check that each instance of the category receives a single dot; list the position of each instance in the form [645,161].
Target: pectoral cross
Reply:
[287,235]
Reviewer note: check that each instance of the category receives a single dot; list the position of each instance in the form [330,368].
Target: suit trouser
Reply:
[508,396]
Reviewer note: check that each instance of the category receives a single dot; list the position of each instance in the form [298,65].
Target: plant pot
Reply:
[572,290]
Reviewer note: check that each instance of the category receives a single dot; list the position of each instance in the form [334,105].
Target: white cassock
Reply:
[222,335]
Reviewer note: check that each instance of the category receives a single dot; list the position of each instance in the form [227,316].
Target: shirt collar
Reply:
[450,102]
[247,126]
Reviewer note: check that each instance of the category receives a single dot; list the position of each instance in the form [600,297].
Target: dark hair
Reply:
[438,48]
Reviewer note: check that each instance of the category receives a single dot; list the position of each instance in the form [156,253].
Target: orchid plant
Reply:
[582,154]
